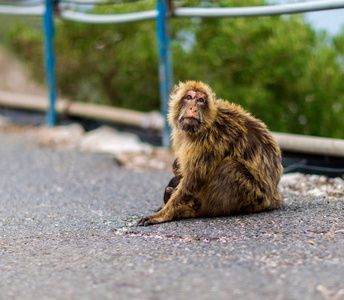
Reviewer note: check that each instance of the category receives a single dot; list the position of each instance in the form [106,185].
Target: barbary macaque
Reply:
[173,182]
[228,161]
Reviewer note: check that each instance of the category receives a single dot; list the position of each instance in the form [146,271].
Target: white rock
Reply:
[109,140]
[153,120]
[339,182]
[59,135]
[291,179]
[313,177]
[317,192]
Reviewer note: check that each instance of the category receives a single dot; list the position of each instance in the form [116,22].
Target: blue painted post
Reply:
[49,33]
[165,66]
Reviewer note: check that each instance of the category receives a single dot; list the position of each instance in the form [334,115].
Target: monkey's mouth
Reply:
[190,124]
[190,120]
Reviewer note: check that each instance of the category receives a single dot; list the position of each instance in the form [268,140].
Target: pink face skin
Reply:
[193,100]
[199,97]
[191,118]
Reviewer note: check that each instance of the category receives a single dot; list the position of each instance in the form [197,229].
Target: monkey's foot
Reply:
[150,220]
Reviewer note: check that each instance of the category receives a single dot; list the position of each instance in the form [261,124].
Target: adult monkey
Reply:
[229,162]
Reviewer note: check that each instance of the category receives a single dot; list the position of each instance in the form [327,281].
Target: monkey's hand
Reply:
[173,209]
[150,220]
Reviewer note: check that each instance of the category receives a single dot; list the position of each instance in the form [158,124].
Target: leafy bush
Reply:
[278,68]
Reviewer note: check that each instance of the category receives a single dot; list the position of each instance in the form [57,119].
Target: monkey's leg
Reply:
[176,208]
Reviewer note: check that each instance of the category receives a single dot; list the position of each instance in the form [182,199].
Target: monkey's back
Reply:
[247,138]
[251,168]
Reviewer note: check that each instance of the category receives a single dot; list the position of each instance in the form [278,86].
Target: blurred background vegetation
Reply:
[278,68]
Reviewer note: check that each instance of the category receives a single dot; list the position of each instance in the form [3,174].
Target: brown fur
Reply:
[229,162]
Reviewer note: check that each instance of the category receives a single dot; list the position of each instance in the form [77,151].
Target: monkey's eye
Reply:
[188,97]
[200,100]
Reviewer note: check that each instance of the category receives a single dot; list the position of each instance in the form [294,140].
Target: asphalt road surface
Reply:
[66,232]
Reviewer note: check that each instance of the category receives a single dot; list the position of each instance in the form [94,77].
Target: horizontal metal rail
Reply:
[205,12]
[104,19]
[256,11]
[287,142]
[182,12]
[310,144]
[97,2]
[22,10]
[152,120]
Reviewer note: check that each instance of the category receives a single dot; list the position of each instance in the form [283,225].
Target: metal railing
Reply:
[163,12]
[106,19]
[256,11]
[22,10]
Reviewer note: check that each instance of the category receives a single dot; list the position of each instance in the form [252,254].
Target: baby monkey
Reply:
[227,161]
[173,182]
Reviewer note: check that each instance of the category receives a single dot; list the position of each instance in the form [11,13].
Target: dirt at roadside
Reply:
[147,158]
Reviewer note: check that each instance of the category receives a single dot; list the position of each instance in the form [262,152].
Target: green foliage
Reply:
[108,64]
[278,68]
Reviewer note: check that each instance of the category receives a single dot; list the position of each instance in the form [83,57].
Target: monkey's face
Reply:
[192,107]
[193,104]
